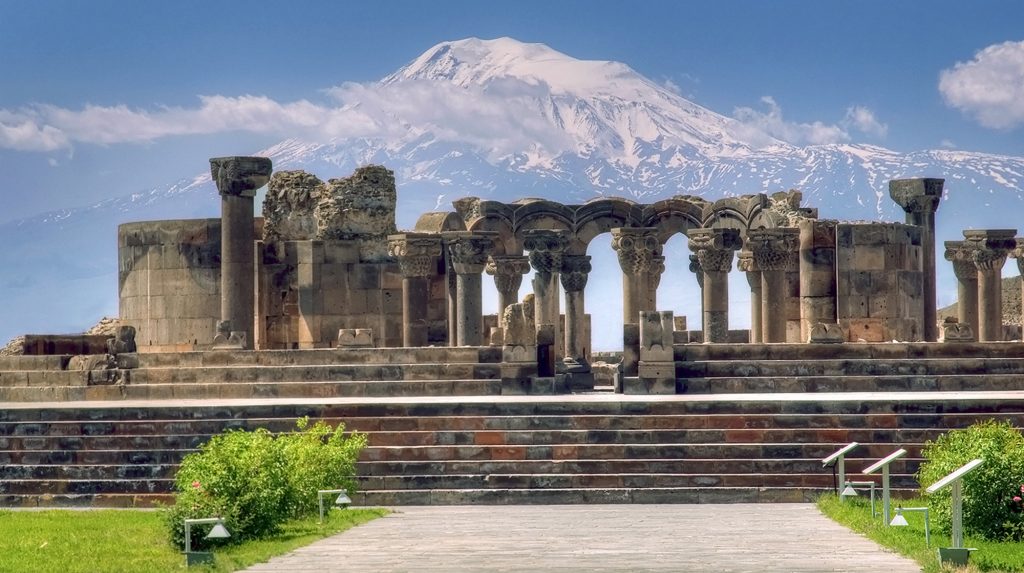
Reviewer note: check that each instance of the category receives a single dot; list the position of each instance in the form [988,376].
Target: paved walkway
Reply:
[582,538]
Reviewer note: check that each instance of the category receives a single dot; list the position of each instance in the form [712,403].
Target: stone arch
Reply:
[674,215]
[541,214]
[601,215]
[439,221]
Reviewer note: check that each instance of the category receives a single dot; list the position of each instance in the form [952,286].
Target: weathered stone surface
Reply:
[289,209]
[122,342]
[360,207]
[826,333]
[355,338]
[518,324]
[656,336]
[240,176]
[953,331]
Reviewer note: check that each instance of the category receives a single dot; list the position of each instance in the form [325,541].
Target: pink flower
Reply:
[1016,499]
[196,485]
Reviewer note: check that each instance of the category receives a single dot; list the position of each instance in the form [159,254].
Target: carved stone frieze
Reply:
[774,249]
[635,248]
[416,253]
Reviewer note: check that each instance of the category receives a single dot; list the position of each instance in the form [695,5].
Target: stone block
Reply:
[870,257]
[341,252]
[391,277]
[637,385]
[865,329]
[355,338]
[365,276]
[657,370]
[826,333]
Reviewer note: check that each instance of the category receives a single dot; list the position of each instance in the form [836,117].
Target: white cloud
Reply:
[763,128]
[863,119]
[496,119]
[990,87]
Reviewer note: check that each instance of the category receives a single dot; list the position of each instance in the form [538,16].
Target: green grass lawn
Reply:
[910,541]
[127,541]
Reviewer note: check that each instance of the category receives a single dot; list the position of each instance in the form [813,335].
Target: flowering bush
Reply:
[256,480]
[992,491]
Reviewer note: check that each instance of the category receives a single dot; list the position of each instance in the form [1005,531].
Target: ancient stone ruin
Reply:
[323,297]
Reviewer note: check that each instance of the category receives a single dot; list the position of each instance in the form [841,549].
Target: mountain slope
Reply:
[502,119]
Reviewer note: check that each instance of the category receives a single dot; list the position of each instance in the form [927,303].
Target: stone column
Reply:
[636,248]
[546,248]
[989,249]
[469,251]
[959,253]
[237,180]
[508,271]
[654,281]
[714,249]
[773,251]
[817,275]
[417,255]
[920,199]
[745,263]
[1018,253]
[575,270]
[451,297]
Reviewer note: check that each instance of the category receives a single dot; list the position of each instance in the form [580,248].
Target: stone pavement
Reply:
[719,538]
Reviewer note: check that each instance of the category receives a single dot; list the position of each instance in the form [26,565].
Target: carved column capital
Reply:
[714,247]
[508,271]
[917,195]
[960,254]
[990,247]
[240,176]
[774,249]
[657,269]
[635,248]
[469,250]
[546,247]
[575,270]
[416,253]
[1018,253]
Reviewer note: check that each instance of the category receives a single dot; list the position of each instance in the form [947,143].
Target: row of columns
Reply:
[977,264]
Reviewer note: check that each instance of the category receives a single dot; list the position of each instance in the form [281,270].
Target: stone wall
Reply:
[880,281]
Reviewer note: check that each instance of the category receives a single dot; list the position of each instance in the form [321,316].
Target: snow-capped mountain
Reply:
[504,119]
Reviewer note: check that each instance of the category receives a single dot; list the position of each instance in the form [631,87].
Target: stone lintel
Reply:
[240,176]
[919,195]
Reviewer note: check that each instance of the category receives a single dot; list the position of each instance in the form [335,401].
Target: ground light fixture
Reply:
[218,531]
[900,520]
[956,554]
[838,460]
[883,464]
[342,501]
[850,490]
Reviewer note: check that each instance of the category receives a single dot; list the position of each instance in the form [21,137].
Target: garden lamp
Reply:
[848,491]
[898,520]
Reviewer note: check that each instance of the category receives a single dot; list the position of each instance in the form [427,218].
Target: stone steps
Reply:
[849,367]
[499,449]
[890,351]
[832,383]
[246,390]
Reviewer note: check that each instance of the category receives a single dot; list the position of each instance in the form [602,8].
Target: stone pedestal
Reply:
[546,248]
[920,199]
[817,275]
[745,262]
[714,249]
[657,369]
[469,251]
[417,255]
[237,180]
[989,249]
[774,252]
[636,248]
[959,253]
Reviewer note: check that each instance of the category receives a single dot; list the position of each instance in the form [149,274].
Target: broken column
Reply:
[657,369]
[817,274]
[714,249]
[417,255]
[237,180]
[469,251]
[989,250]
[636,248]
[546,248]
[773,251]
[959,253]
[745,263]
[508,271]
[920,199]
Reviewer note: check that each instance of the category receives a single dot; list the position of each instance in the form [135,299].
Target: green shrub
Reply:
[256,481]
[988,491]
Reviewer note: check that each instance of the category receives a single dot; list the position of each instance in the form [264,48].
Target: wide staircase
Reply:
[752,424]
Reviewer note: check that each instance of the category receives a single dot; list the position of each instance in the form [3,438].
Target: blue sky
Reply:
[813,62]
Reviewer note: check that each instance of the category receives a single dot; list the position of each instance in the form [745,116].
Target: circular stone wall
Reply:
[169,282]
